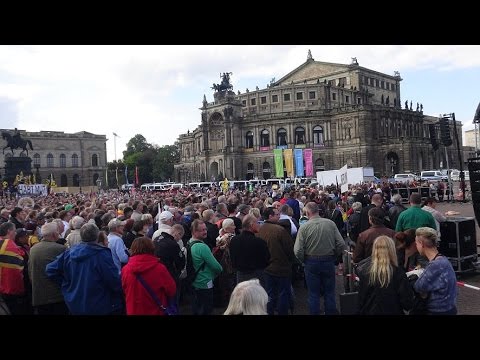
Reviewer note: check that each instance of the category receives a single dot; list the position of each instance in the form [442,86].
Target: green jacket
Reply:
[201,253]
[413,218]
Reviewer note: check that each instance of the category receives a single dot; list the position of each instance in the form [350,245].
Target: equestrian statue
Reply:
[16,142]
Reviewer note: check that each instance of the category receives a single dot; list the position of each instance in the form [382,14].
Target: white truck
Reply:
[357,175]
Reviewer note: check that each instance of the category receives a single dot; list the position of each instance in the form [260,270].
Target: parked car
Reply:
[455,175]
[405,177]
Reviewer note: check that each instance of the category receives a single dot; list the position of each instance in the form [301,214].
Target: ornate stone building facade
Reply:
[77,159]
[346,114]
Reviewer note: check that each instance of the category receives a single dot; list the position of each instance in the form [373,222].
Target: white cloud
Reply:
[156,90]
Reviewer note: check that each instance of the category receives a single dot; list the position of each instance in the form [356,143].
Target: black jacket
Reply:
[212,234]
[390,300]
[248,252]
[169,253]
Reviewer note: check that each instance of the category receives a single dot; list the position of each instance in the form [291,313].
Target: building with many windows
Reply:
[346,114]
[77,159]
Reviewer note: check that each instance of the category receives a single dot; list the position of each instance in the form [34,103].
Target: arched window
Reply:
[300,136]
[36,159]
[318,136]
[94,160]
[249,140]
[49,160]
[63,161]
[74,160]
[63,180]
[250,171]
[266,170]
[319,165]
[76,180]
[282,137]
[95,178]
[264,138]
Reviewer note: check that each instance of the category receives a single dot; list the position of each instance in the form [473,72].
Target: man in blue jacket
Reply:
[88,277]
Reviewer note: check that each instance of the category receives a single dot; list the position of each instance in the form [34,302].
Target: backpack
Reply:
[191,272]
[223,258]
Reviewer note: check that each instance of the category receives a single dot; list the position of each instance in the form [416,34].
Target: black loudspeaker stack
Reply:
[474,172]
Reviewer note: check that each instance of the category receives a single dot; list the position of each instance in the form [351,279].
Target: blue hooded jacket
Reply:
[89,280]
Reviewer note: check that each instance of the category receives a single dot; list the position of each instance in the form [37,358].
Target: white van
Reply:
[176,186]
[202,184]
[404,177]
[279,182]
[432,175]
[257,182]
[238,184]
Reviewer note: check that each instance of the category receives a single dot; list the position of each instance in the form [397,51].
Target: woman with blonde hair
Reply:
[248,298]
[384,287]
[256,212]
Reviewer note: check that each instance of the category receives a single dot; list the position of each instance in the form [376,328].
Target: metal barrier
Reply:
[350,279]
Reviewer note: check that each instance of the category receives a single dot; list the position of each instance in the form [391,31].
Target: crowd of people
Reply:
[149,253]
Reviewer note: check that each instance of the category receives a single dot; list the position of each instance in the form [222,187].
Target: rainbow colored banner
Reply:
[299,162]
[308,154]
[278,156]
[288,153]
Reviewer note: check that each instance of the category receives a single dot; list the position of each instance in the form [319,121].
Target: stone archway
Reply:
[214,171]
[392,164]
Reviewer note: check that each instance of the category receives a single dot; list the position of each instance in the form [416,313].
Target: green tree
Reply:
[135,145]
[132,161]
[163,163]
[155,164]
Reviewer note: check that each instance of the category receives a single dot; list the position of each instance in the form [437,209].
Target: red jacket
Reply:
[11,268]
[156,275]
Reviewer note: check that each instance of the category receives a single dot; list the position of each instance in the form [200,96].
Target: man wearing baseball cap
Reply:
[165,223]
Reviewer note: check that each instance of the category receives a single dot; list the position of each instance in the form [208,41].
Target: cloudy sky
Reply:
[157,90]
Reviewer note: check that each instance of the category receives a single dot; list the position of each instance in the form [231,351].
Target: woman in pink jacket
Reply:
[146,282]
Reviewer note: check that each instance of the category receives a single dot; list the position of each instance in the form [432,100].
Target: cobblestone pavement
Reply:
[468,299]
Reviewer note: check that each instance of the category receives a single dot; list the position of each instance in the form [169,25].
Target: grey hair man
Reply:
[318,245]
[116,244]
[396,209]
[74,237]
[88,277]
[47,298]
